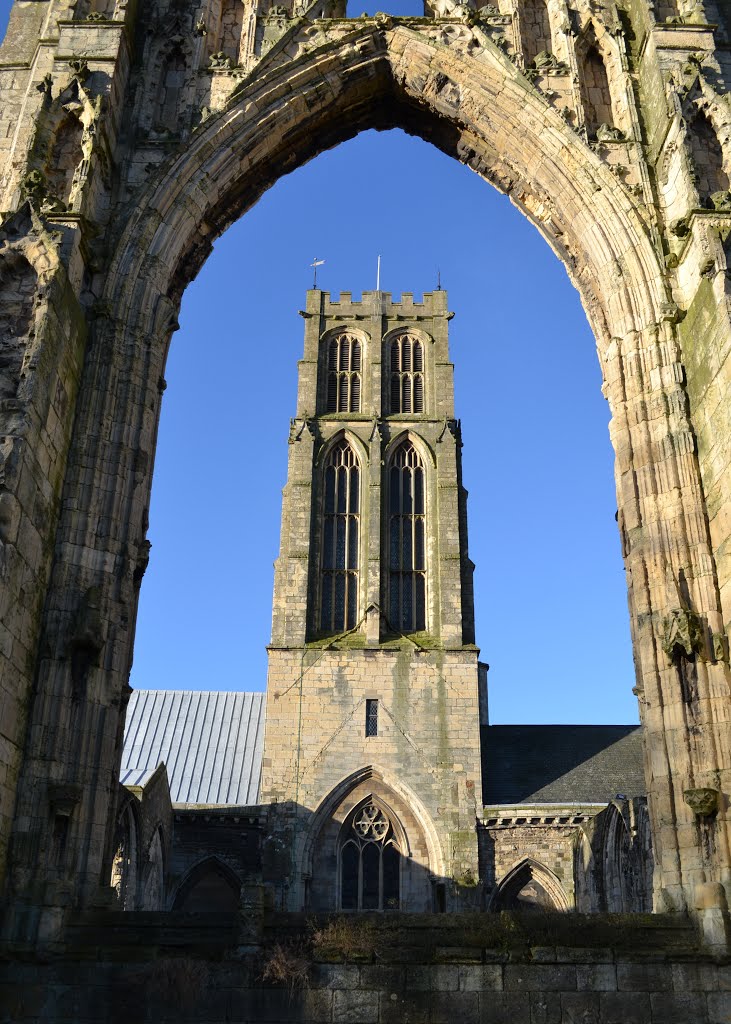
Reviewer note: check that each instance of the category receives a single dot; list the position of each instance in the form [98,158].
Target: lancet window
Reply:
[340,540]
[370,862]
[407,374]
[707,158]
[595,91]
[343,374]
[406,540]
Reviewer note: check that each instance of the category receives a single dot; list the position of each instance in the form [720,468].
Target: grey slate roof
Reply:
[524,764]
[211,743]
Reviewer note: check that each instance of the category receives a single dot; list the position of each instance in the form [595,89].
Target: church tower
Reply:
[372,746]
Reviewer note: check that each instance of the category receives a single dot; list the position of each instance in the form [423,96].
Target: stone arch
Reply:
[423,447]
[616,862]
[126,857]
[529,885]
[326,340]
[210,886]
[65,157]
[598,86]
[709,164]
[468,99]
[343,435]
[535,29]
[171,82]
[421,850]
[232,29]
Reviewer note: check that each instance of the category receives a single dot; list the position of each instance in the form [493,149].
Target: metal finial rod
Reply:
[315,264]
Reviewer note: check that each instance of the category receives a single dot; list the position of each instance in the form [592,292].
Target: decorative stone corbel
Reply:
[87,637]
[682,633]
[702,801]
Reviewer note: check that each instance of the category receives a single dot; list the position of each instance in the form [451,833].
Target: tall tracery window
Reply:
[406,540]
[340,540]
[370,863]
[407,374]
[343,374]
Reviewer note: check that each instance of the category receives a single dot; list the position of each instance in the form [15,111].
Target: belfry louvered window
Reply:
[343,374]
[406,540]
[340,540]
[407,374]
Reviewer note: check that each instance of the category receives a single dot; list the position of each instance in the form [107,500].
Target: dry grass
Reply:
[288,963]
[348,938]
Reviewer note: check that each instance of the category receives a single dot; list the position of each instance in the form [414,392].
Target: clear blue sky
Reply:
[549,584]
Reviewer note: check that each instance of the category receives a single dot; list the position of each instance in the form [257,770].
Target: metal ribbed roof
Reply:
[210,742]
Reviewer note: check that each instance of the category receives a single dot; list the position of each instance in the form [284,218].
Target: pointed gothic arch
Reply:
[210,886]
[472,103]
[422,859]
[529,885]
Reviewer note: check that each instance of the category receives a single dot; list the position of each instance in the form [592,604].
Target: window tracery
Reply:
[406,540]
[340,540]
[343,374]
[407,374]
[370,862]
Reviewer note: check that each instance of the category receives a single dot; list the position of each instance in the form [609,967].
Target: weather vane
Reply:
[315,264]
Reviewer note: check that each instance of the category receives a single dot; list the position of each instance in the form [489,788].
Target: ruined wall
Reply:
[130,141]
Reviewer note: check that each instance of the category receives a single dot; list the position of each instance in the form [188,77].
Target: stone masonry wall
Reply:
[447,984]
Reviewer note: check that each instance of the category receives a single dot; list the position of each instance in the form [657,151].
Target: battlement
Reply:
[377,303]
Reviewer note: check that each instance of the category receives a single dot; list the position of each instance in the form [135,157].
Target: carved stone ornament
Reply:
[682,632]
[702,801]
[608,133]
[720,647]
[79,68]
[545,63]
[219,62]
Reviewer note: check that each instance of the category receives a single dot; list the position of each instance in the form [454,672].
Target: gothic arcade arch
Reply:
[420,852]
[467,98]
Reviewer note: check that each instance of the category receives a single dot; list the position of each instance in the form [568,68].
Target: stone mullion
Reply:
[651,410]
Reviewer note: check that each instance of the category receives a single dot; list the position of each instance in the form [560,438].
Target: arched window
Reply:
[124,865]
[406,540]
[343,374]
[595,92]
[707,158]
[536,29]
[340,540]
[407,374]
[370,862]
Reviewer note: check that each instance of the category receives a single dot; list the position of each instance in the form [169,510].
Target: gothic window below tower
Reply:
[407,374]
[406,541]
[343,374]
[340,540]
[370,862]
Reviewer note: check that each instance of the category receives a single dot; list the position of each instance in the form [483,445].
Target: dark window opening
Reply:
[407,375]
[407,541]
[343,374]
[340,539]
[371,726]
[370,863]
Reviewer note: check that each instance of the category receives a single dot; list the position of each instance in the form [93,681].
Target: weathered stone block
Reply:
[624,1007]
[505,1008]
[355,1007]
[539,977]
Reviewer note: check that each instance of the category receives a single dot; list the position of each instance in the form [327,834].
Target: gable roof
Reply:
[572,764]
[210,742]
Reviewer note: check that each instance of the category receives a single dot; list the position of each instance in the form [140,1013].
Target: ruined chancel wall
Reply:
[133,134]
